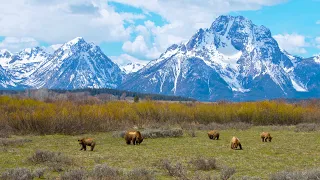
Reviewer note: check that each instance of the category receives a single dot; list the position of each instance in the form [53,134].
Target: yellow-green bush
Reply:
[31,116]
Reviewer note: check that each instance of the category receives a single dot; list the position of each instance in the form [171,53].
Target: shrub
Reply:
[233,125]
[227,172]
[160,133]
[103,171]
[296,175]
[55,160]
[250,178]
[191,133]
[141,174]
[27,116]
[17,174]
[136,99]
[174,170]
[118,134]
[74,174]
[204,164]
[39,173]
[5,131]
[199,176]
[13,142]
[306,127]
[153,133]
[41,156]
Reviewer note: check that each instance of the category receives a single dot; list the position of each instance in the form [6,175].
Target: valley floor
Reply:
[289,150]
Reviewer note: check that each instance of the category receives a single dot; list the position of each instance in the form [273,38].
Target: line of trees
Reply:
[32,116]
[112,94]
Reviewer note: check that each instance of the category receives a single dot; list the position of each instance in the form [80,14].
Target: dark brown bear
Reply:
[84,142]
[213,135]
[235,142]
[265,136]
[134,137]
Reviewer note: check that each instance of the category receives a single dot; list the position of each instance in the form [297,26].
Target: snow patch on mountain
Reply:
[245,56]
[317,59]
[51,49]
[76,65]
[298,86]
[128,64]
[132,67]
[22,64]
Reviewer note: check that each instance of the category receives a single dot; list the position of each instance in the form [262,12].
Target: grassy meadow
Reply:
[289,150]
[39,139]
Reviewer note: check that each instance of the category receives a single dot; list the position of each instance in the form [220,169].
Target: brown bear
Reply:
[84,142]
[213,135]
[235,142]
[265,136]
[134,137]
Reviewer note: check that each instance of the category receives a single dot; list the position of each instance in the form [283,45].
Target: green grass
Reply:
[288,150]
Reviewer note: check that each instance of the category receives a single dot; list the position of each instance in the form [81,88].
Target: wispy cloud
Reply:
[61,21]
[15,44]
[184,18]
[292,43]
[58,21]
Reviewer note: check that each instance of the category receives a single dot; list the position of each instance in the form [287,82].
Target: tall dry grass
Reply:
[31,116]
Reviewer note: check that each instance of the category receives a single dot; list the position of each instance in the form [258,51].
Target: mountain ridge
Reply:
[233,59]
[246,57]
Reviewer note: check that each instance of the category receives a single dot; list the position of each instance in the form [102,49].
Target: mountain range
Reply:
[233,59]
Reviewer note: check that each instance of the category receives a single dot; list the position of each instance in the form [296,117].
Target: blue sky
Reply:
[128,30]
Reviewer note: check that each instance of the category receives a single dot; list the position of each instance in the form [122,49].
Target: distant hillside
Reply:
[83,94]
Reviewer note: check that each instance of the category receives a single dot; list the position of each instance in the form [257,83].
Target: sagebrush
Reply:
[32,116]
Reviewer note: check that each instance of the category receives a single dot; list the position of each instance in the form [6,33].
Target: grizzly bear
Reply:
[213,135]
[84,142]
[265,136]
[134,137]
[235,142]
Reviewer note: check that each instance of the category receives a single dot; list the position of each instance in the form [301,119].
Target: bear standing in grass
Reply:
[265,136]
[235,142]
[134,137]
[84,142]
[213,135]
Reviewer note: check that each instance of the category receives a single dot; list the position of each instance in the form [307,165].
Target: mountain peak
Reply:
[31,50]
[76,40]
[75,43]
[317,59]
[229,18]
[2,51]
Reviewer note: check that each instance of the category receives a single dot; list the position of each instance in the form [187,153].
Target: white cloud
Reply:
[292,43]
[15,44]
[140,48]
[125,59]
[58,21]
[51,49]
[185,17]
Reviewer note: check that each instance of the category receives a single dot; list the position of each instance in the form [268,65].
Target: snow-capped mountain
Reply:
[21,65]
[75,65]
[128,64]
[307,72]
[5,79]
[132,67]
[233,59]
